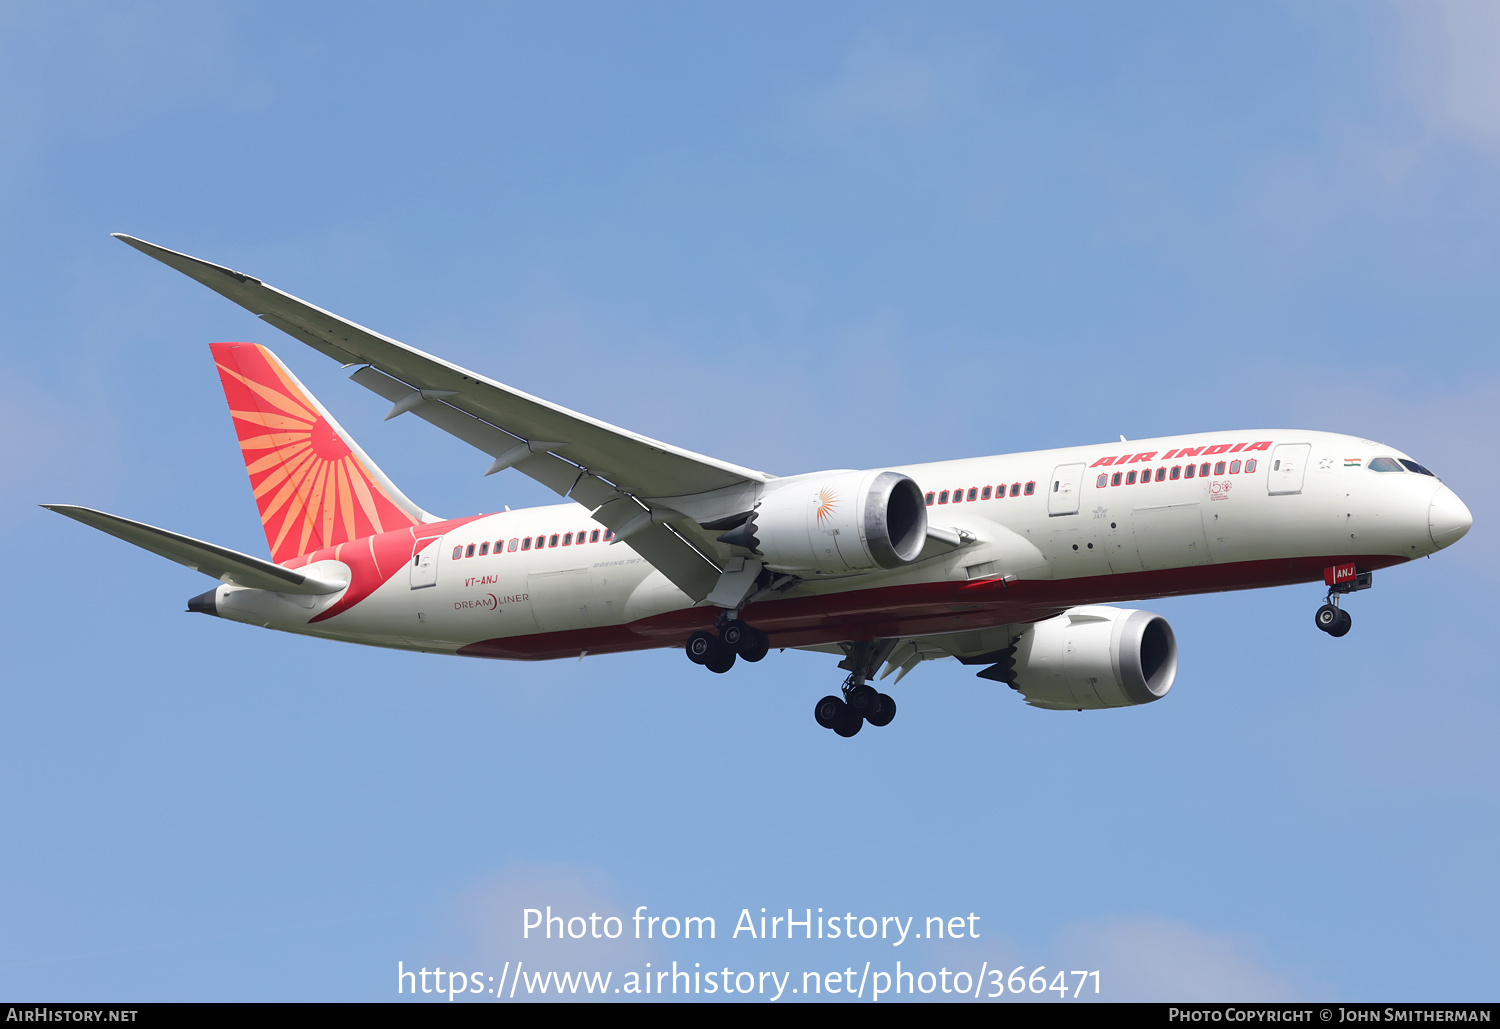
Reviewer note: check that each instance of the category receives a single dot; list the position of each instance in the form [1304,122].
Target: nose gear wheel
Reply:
[1331,618]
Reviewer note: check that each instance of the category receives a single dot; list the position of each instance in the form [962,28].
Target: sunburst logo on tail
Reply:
[311,489]
[827,501]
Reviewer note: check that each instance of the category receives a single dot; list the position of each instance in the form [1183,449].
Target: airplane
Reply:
[1007,563]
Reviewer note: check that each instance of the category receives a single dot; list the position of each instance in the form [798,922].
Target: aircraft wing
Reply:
[609,470]
[220,562]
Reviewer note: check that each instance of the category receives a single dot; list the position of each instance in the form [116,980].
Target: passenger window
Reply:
[1161,474]
[1250,466]
[594,536]
[1192,470]
[958,495]
[1015,489]
[458,552]
[1234,468]
[553,541]
[1030,488]
[930,498]
[943,497]
[568,540]
[1383,464]
[1114,480]
[1176,471]
[973,493]
[1103,478]
[416,559]
[512,547]
[1219,468]
[484,548]
[609,535]
[469,551]
[526,543]
[984,494]
[1130,478]
[1203,468]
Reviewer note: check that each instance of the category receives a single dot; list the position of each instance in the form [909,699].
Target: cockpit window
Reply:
[1412,466]
[1384,464]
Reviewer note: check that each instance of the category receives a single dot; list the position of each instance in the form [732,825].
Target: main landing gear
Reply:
[846,714]
[1331,618]
[860,702]
[717,651]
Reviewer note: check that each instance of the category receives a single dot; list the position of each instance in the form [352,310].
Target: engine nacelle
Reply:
[838,523]
[1092,657]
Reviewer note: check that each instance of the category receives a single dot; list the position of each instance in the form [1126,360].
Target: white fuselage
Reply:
[1311,501]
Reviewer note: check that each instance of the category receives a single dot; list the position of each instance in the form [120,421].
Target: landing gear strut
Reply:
[1331,618]
[860,702]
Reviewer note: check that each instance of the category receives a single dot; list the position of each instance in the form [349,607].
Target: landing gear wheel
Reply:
[735,634]
[1328,619]
[883,713]
[721,662]
[1343,625]
[701,646]
[849,724]
[864,699]
[829,710]
[758,647]
[745,640]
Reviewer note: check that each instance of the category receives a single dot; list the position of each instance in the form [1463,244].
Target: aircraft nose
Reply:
[1447,519]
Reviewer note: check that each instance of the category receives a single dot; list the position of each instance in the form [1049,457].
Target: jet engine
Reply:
[1091,657]
[837,523]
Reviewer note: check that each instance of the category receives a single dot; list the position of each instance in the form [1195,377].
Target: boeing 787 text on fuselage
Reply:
[1001,562]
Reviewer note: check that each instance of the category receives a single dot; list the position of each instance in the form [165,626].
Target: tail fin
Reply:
[313,484]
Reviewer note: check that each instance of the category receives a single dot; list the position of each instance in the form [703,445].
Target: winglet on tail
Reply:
[313,484]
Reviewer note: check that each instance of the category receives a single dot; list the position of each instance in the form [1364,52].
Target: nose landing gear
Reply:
[1340,579]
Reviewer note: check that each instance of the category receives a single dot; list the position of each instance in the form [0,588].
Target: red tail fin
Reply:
[313,484]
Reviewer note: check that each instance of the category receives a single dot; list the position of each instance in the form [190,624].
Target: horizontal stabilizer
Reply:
[229,566]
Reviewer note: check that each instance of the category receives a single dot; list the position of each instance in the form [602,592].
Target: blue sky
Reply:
[849,235]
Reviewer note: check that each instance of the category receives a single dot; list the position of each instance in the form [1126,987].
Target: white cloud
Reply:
[1155,959]
[881,81]
[1451,70]
[50,451]
[484,925]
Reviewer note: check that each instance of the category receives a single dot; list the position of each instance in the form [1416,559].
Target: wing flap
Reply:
[229,566]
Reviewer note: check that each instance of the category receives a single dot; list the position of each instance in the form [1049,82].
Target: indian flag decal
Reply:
[1351,462]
